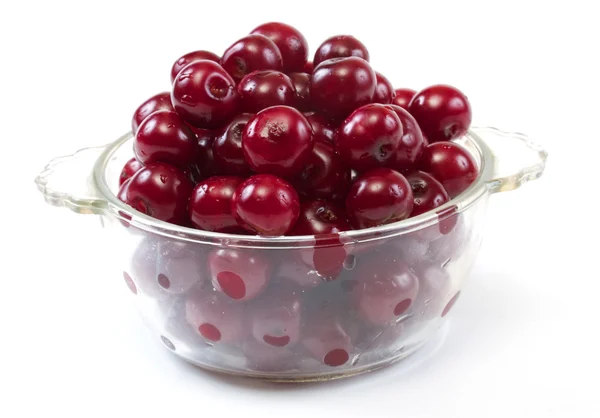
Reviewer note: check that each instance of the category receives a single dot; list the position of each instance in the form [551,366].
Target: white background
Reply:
[523,339]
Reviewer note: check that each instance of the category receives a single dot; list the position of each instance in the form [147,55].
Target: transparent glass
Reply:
[296,308]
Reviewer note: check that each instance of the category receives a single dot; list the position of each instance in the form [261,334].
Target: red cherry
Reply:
[369,137]
[320,217]
[386,288]
[215,317]
[210,204]
[327,256]
[291,43]
[227,148]
[443,112]
[129,169]
[378,197]
[308,67]
[266,205]
[162,191]
[251,53]
[340,46]
[161,101]
[205,160]
[451,164]
[301,83]
[204,94]
[277,140]
[164,137]
[276,319]
[189,58]
[239,274]
[428,193]
[323,175]
[327,339]
[384,91]
[402,97]
[323,129]
[411,145]
[265,88]
[340,85]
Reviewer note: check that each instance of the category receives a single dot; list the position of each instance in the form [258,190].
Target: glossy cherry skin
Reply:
[369,137]
[323,129]
[239,274]
[210,204]
[215,317]
[320,217]
[301,82]
[204,95]
[451,164]
[428,193]
[251,53]
[340,46]
[161,101]
[443,112]
[265,88]
[386,288]
[189,58]
[227,148]
[411,145]
[379,197]
[164,137]
[340,85]
[276,319]
[266,205]
[129,169]
[402,97]
[323,175]
[162,191]
[277,140]
[308,67]
[384,91]
[205,160]
[291,43]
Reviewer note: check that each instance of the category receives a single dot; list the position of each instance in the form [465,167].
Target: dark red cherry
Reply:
[266,205]
[205,159]
[428,193]
[411,145]
[161,101]
[308,67]
[450,164]
[277,140]
[251,53]
[402,97]
[301,83]
[227,148]
[164,137]
[323,129]
[162,191]
[215,317]
[369,137]
[320,217]
[384,91]
[210,204]
[378,197]
[129,169]
[291,43]
[204,95]
[443,112]
[323,175]
[340,85]
[340,46]
[238,273]
[189,58]
[386,288]
[276,319]
[265,88]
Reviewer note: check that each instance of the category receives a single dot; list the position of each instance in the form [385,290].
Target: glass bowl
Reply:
[302,308]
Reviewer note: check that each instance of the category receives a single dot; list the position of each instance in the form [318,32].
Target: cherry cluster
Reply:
[262,141]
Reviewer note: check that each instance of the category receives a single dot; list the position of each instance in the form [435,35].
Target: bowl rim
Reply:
[460,203]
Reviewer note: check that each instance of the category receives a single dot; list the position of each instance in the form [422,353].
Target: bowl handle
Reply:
[516,160]
[68,182]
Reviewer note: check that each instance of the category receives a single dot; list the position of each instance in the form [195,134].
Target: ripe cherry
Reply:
[411,145]
[205,160]
[227,148]
[320,217]
[265,88]
[251,53]
[189,58]
[384,91]
[428,193]
[240,274]
[291,43]
[323,129]
[301,83]
[340,46]
[161,101]
[443,112]
[210,204]
[402,97]
[129,169]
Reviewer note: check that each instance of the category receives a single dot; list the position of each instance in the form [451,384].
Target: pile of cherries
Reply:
[263,141]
